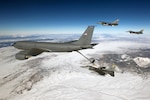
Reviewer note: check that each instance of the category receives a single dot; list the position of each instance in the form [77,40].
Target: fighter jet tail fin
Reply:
[142,30]
[86,37]
[116,21]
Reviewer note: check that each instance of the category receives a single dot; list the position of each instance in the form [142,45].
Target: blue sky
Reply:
[73,16]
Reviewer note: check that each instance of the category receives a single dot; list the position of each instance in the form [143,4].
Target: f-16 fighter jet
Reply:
[136,32]
[114,23]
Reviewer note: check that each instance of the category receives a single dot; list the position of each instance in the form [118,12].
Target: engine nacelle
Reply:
[21,56]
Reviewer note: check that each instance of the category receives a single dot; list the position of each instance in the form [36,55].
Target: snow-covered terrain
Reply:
[61,76]
[142,62]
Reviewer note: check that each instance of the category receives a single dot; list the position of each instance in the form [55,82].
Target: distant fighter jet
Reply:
[114,23]
[34,48]
[136,32]
[103,71]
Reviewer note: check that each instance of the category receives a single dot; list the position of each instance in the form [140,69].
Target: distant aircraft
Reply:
[136,32]
[114,23]
[34,48]
[103,71]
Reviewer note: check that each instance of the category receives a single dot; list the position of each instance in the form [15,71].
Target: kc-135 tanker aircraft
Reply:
[34,48]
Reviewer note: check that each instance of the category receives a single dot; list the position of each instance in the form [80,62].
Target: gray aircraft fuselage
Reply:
[109,24]
[34,48]
[53,47]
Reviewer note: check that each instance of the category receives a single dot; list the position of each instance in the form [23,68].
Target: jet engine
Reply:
[22,55]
